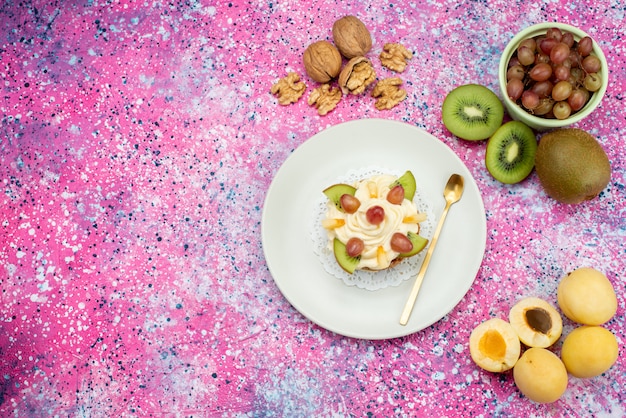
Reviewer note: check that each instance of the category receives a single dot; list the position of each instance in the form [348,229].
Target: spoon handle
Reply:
[408,307]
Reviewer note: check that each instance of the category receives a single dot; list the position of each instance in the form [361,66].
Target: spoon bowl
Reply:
[454,189]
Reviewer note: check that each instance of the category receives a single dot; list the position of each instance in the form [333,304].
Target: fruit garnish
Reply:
[349,203]
[355,246]
[344,260]
[396,195]
[415,218]
[407,181]
[373,190]
[333,223]
[400,243]
[336,191]
[375,215]
[380,255]
[419,243]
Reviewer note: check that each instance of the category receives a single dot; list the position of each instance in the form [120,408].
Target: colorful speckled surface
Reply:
[138,140]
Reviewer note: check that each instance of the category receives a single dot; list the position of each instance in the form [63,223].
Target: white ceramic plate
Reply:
[325,299]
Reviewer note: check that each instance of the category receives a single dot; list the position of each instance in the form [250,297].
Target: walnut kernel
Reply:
[322,61]
[324,98]
[395,57]
[288,89]
[351,37]
[388,93]
[356,76]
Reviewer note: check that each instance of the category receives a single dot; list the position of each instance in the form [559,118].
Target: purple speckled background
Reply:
[138,140]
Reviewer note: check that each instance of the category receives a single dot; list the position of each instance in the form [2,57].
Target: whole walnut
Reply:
[351,37]
[322,61]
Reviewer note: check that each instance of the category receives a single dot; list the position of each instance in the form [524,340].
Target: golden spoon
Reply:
[452,193]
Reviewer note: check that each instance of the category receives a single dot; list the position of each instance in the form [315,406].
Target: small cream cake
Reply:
[373,224]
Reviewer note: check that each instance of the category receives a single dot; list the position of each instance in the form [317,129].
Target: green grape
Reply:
[562,90]
[516,71]
[592,82]
[545,106]
[525,55]
[561,110]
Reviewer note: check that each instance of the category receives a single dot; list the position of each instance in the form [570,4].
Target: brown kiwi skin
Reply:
[514,133]
[572,166]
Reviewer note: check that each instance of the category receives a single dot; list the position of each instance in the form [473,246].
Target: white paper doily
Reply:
[369,280]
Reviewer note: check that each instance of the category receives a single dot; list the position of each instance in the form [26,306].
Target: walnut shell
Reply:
[322,61]
[351,37]
[356,76]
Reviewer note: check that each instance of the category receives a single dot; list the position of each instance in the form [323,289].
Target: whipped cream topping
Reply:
[377,254]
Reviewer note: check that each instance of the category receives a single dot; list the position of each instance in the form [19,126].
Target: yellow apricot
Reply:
[536,321]
[589,351]
[494,345]
[586,296]
[540,375]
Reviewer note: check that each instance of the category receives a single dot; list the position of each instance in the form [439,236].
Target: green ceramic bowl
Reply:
[537,122]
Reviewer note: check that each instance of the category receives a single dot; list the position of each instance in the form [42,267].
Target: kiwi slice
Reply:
[472,112]
[335,192]
[510,155]
[407,181]
[345,261]
[419,243]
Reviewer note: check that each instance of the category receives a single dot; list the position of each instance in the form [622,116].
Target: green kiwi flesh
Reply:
[419,243]
[345,261]
[335,192]
[472,112]
[510,155]
[407,181]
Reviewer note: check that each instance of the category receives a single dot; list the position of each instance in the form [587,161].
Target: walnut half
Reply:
[395,57]
[288,89]
[324,98]
[388,93]
[356,76]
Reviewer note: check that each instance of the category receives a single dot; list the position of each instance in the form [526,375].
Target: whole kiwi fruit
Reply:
[571,165]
